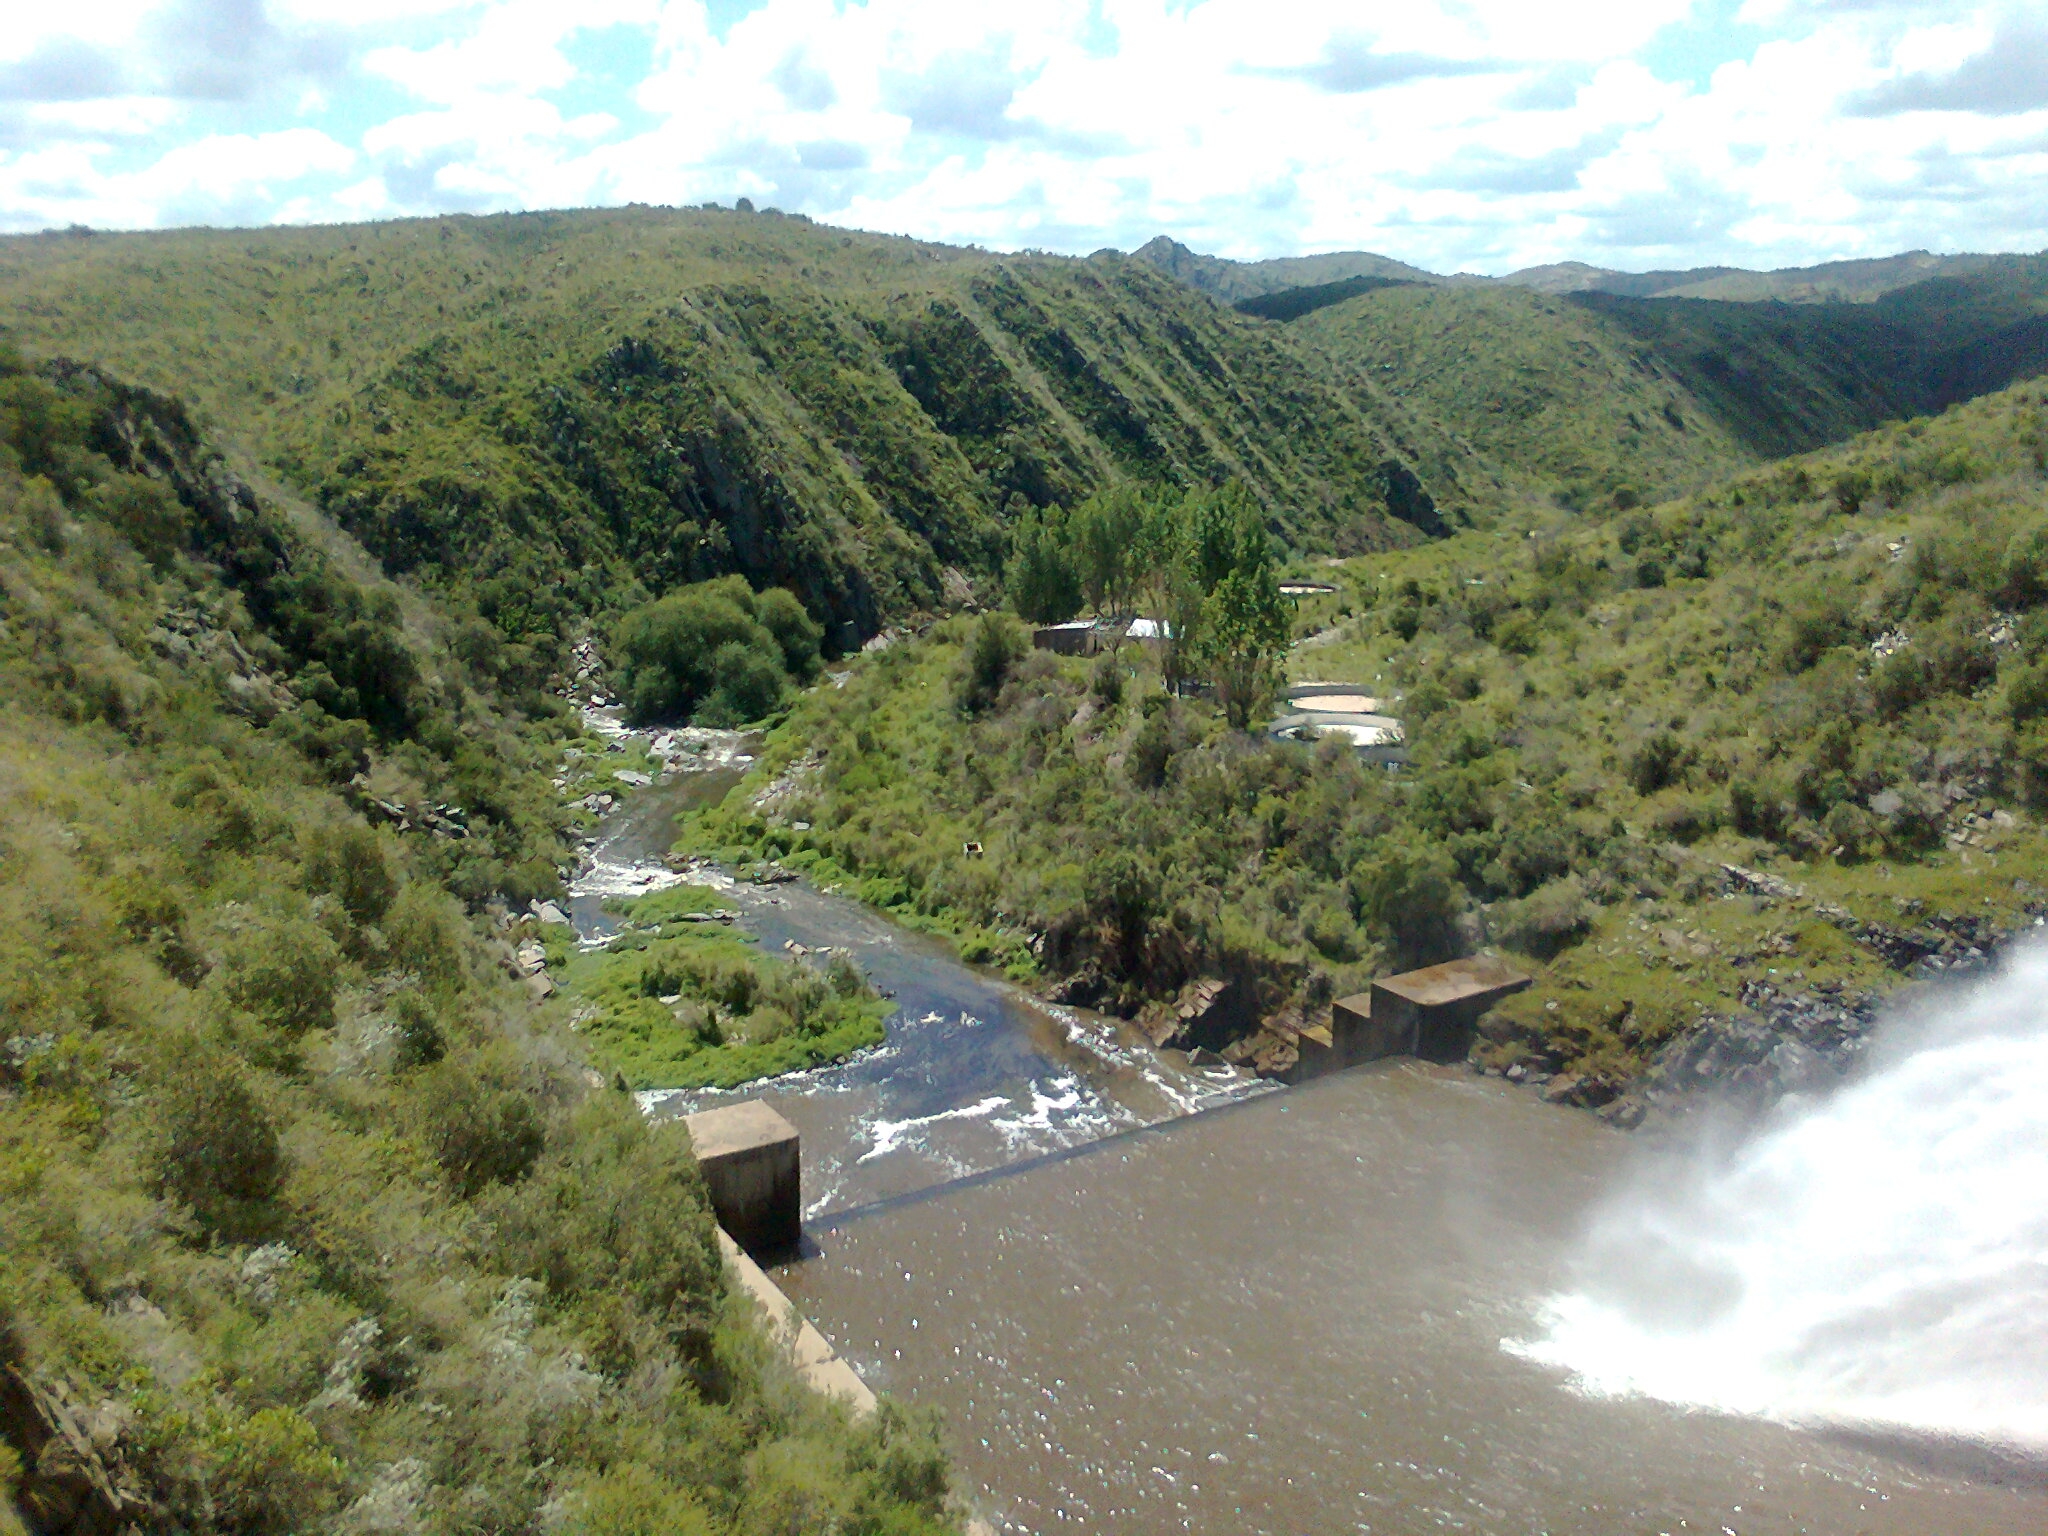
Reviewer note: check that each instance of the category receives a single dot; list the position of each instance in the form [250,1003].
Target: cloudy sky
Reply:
[1480,135]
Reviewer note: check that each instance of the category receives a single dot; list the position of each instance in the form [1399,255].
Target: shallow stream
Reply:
[975,1074]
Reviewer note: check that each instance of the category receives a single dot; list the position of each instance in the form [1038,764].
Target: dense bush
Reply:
[714,652]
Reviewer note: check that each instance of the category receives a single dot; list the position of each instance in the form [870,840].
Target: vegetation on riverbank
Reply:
[309,1218]
[1784,731]
[676,1000]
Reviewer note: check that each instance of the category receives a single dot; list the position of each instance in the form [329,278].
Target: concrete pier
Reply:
[753,1173]
[1429,1013]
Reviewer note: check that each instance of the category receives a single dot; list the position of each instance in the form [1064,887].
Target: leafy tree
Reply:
[1241,631]
[714,650]
[1244,638]
[1107,532]
[1044,587]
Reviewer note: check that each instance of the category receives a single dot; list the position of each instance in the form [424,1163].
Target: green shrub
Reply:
[1410,894]
[477,1123]
[715,647]
[346,859]
[1547,921]
[1659,760]
[1753,810]
[1814,627]
[631,1500]
[424,931]
[2023,570]
[282,971]
[746,684]
[269,1472]
[418,1040]
[216,1148]
[1106,681]
[2026,693]
[1850,828]
[994,646]
[797,634]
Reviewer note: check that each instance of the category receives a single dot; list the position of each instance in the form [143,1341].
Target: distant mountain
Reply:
[1854,282]
[1231,281]
[1606,398]
[1857,282]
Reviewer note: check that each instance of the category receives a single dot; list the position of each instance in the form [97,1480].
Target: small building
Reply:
[1076,637]
[1431,1013]
[1086,637]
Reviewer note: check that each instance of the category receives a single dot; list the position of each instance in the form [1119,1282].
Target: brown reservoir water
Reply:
[1286,1316]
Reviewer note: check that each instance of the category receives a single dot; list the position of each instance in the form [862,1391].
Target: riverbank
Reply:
[958,1070]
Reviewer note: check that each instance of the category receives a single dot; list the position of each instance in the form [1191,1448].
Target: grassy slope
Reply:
[1596,397]
[1589,751]
[302,1202]
[1534,382]
[542,414]
[1758,685]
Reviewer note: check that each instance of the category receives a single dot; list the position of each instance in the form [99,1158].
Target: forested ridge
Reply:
[544,417]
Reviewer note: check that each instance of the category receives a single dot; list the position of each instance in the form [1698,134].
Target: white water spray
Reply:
[1878,1258]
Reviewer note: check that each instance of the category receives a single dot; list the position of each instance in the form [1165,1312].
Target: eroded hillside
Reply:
[544,415]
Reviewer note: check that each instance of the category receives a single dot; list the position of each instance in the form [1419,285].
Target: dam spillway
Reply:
[1289,1318]
[1297,1315]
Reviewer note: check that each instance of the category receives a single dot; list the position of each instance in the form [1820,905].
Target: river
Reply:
[975,1074]
[1312,1310]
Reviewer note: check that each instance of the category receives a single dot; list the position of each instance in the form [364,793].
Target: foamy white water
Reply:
[1877,1258]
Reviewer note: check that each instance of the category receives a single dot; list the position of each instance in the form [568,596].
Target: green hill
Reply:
[543,416]
[1603,398]
[310,1218]
[1234,281]
[1781,739]
[1858,281]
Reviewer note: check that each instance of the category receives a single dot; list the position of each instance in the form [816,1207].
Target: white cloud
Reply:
[1454,133]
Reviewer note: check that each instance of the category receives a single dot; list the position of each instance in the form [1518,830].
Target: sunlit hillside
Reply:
[543,415]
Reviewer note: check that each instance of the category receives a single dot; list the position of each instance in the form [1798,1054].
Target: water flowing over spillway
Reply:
[1878,1258]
